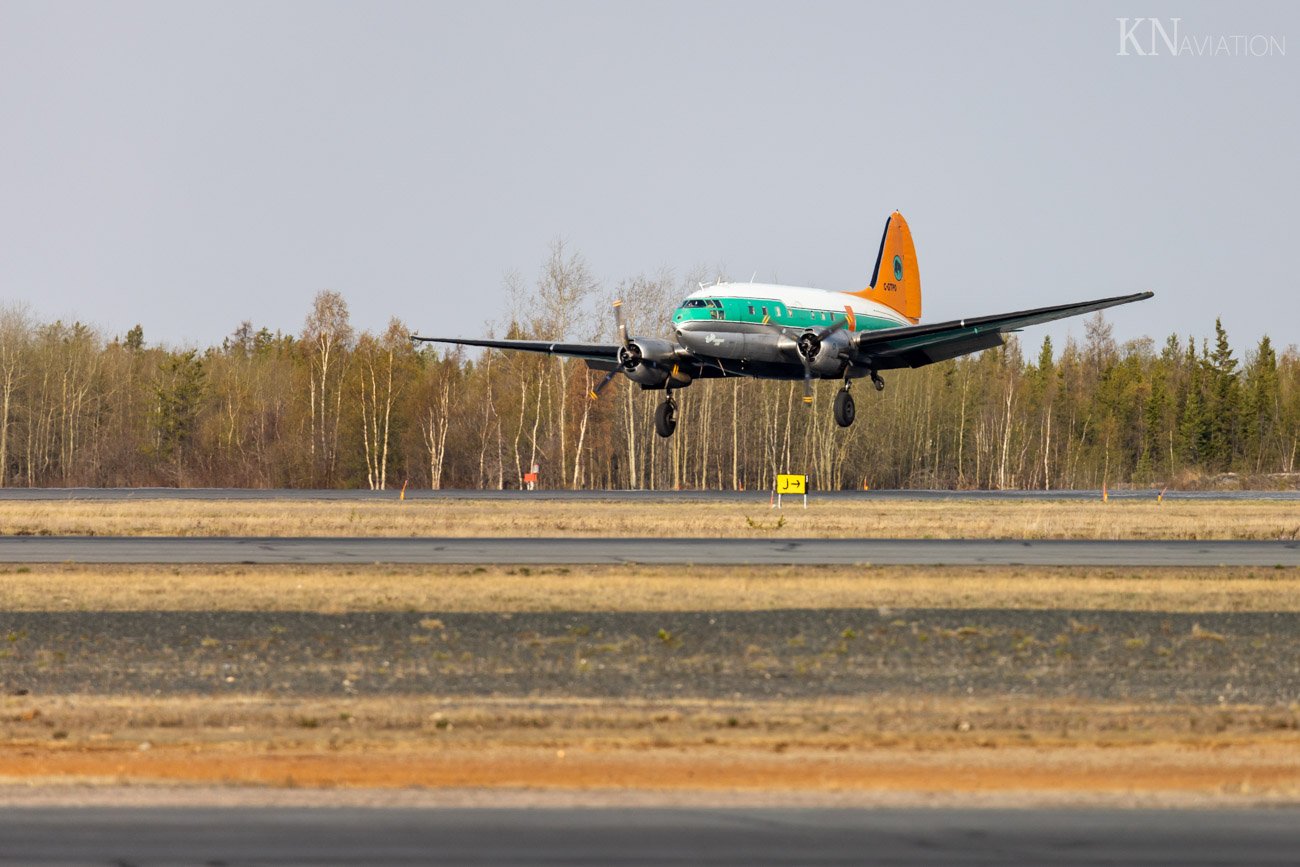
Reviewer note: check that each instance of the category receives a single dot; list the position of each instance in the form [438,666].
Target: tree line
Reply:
[330,407]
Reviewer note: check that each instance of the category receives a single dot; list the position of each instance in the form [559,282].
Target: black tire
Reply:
[845,411]
[666,418]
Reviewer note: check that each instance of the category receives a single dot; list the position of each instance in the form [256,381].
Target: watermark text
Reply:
[1165,37]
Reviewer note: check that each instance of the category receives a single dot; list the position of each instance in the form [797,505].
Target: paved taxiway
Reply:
[40,494]
[646,836]
[666,551]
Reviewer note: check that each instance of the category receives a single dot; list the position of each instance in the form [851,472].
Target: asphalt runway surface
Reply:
[650,551]
[37,494]
[231,836]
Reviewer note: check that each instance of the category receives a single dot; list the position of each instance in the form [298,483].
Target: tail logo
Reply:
[898,267]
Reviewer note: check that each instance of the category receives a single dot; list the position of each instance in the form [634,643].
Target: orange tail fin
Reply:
[896,282]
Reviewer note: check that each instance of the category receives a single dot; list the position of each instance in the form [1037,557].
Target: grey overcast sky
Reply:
[189,165]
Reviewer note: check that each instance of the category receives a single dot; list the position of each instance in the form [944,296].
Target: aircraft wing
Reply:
[918,345]
[598,352]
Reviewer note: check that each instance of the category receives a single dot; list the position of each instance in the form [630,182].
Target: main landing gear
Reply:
[845,410]
[666,416]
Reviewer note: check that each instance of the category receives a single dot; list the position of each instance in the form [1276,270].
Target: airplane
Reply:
[768,331]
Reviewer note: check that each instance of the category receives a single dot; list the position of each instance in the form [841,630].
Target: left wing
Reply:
[918,345]
[599,352]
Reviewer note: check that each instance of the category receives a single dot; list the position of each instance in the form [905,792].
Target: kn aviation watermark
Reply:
[1165,37]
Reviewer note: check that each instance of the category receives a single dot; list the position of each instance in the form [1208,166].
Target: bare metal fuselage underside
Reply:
[753,349]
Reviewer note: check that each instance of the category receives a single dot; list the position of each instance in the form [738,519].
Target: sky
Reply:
[188,166]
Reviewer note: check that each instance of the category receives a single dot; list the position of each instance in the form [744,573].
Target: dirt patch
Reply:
[880,745]
[1262,772]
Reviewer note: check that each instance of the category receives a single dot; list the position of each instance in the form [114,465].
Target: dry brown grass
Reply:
[55,587]
[884,743]
[939,519]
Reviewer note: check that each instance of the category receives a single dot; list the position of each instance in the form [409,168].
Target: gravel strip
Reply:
[1240,658]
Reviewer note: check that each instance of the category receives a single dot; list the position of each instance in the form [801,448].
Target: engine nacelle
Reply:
[828,354]
[649,361]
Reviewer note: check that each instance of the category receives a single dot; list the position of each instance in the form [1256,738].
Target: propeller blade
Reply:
[600,386]
[622,326]
[807,383]
[833,327]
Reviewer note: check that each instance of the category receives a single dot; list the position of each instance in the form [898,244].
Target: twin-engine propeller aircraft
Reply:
[791,333]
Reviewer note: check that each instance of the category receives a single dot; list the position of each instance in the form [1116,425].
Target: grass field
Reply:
[335,589]
[946,519]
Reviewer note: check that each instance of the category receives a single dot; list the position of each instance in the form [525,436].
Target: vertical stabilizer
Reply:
[896,282]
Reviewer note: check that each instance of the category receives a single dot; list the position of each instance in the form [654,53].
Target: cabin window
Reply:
[764,311]
[751,310]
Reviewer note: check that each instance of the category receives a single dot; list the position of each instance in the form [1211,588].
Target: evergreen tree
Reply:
[1262,407]
[1152,461]
[135,338]
[1224,404]
[179,394]
[1193,423]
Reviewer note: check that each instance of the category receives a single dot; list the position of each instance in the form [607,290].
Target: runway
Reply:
[646,836]
[302,494]
[650,551]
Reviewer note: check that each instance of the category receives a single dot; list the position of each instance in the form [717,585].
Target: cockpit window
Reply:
[695,302]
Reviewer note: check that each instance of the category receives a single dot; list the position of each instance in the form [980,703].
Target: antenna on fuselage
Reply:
[752,277]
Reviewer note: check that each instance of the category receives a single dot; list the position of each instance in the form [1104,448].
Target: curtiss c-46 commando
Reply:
[792,333]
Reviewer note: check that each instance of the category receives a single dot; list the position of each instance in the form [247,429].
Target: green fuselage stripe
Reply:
[752,310]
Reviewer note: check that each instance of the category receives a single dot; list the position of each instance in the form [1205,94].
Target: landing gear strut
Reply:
[845,411]
[666,416]
[877,381]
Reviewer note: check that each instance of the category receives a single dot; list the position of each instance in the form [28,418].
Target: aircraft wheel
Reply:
[845,411]
[666,418]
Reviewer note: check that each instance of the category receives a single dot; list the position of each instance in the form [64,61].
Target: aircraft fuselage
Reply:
[751,328]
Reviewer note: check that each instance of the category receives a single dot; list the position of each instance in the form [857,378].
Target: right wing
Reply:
[917,345]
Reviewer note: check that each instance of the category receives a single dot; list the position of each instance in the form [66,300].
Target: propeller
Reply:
[810,343]
[622,326]
[600,386]
[629,354]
